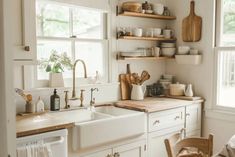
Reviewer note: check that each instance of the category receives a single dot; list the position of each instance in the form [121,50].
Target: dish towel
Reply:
[34,150]
[228,150]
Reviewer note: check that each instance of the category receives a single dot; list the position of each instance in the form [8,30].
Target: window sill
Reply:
[80,86]
[220,114]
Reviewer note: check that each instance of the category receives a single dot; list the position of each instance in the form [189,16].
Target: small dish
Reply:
[148,11]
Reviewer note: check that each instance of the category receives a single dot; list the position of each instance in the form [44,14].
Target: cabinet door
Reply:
[26,51]
[193,117]
[156,145]
[136,149]
[103,153]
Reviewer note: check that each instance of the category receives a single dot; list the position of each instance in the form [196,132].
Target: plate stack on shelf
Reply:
[168,49]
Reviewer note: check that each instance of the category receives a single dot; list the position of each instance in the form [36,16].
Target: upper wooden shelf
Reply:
[143,58]
[146,38]
[153,16]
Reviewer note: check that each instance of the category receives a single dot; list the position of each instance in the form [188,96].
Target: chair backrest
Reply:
[174,145]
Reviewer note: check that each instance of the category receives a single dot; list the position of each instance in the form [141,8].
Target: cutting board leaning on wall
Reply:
[192,26]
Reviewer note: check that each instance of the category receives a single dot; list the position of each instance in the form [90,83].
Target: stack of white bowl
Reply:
[183,50]
[168,49]
[166,80]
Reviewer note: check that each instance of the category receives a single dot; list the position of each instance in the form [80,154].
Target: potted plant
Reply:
[55,65]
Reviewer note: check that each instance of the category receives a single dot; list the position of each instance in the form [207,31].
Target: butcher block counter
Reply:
[155,104]
[35,124]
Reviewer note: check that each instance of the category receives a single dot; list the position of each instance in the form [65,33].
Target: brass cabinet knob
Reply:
[27,48]
[156,122]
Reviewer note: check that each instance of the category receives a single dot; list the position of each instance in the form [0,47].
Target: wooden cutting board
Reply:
[192,26]
[125,84]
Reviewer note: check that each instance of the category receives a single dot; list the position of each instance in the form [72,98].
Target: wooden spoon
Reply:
[144,76]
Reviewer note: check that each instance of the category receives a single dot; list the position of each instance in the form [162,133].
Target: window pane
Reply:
[227,79]
[87,23]
[44,50]
[52,19]
[92,54]
[228,25]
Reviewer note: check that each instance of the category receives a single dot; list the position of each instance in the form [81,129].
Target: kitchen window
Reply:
[80,32]
[225,50]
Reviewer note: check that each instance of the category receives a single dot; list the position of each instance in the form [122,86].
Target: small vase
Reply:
[189,91]
[56,80]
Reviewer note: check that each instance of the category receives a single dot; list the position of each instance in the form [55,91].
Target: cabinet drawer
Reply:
[166,119]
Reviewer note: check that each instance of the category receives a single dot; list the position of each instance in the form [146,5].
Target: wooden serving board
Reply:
[184,98]
[192,26]
[124,87]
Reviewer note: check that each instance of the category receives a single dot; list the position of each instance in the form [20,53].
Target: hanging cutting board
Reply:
[125,84]
[192,26]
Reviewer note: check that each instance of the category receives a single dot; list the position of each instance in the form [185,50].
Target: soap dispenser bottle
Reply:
[55,101]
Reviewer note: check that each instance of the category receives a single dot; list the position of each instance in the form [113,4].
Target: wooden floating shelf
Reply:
[143,58]
[146,38]
[153,16]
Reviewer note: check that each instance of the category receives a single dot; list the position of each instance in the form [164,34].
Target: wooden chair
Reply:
[189,147]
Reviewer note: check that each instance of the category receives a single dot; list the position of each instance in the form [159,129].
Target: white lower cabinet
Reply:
[135,149]
[156,146]
[193,120]
[103,153]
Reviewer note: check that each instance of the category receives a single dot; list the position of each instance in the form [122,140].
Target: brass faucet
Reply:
[74,77]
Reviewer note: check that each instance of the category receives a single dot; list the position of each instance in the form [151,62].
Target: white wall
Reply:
[201,76]
[107,92]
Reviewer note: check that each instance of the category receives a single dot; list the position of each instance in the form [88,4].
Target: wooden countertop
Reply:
[154,104]
[35,124]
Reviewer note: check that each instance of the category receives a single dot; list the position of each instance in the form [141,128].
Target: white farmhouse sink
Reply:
[120,124]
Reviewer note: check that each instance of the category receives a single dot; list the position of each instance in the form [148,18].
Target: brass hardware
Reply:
[92,101]
[177,117]
[116,154]
[156,122]
[66,100]
[82,97]
[27,48]
[74,77]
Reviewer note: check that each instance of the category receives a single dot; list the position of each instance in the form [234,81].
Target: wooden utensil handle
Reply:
[192,7]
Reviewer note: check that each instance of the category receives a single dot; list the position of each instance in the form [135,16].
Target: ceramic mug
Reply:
[138,32]
[167,33]
[149,32]
[157,32]
[157,51]
[193,52]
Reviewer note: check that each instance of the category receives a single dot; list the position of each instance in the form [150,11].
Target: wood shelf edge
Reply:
[153,16]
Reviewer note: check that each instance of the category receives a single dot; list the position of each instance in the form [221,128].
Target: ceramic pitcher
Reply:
[189,91]
[137,92]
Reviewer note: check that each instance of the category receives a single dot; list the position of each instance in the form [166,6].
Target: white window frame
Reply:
[105,42]
[217,51]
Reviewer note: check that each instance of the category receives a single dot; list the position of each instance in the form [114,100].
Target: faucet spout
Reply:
[74,76]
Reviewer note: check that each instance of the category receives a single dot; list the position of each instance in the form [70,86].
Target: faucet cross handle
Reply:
[66,99]
[92,101]
[82,97]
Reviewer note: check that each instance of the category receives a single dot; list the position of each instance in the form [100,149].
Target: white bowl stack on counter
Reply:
[168,49]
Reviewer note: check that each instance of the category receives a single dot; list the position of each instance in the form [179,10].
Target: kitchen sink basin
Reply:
[114,111]
[114,124]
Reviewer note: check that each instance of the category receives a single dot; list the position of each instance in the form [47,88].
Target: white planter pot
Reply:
[56,80]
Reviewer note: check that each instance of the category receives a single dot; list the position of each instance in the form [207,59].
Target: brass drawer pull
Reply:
[156,122]
[116,155]
[187,114]
[177,117]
